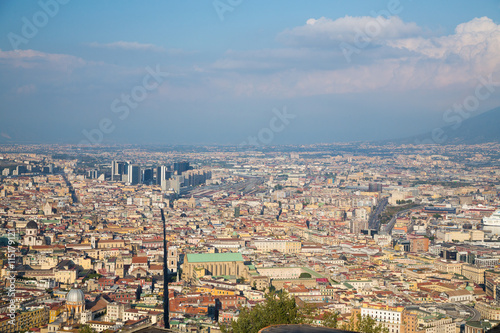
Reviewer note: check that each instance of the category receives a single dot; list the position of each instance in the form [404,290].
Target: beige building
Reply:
[110,243]
[114,311]
[86,263]
[476,235]
[461,295]
[260,282]
[444,325]
[281,245]
[215,264]
[65,276]
[474,273]
[453,267]
[456,236]
[490,310]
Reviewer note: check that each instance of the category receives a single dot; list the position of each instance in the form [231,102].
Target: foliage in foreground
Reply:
[277,309]
[365,324]
[85,329]
[281,309]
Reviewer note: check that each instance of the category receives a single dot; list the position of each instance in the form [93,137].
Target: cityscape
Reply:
[237,166]
[408,235]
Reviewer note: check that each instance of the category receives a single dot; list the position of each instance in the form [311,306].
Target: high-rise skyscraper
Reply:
[118,169]
[180,167]
[134,174]
[93,174]
[147,176]
[162,176]
[158,176]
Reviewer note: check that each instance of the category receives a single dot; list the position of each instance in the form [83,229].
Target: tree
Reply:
[364,324]
[85,329]
[304,275]
[330,319]
[275,310]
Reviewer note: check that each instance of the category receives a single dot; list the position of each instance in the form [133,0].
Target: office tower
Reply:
[180,167]
[147,176]
[196,177]
[162,174]
[118,169]
[21,169]
[133,174]
[175,183]
[93,174]
[158,175]
[162,177]
[114,170]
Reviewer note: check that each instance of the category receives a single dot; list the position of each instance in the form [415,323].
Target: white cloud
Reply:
[31,59]
[475,44]
[325,32]
[397,63]
[127,46]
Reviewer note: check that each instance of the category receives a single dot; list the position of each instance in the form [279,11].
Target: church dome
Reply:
[75,296]
[31,225]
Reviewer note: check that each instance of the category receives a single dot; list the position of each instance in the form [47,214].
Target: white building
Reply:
[391,317]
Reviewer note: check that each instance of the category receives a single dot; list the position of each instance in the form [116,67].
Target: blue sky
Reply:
[346,70]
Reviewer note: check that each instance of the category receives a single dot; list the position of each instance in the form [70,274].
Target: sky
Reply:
[246,72]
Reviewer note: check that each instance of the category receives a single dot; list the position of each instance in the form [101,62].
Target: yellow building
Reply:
[86,263]
[55,312]
[34,317]
[215,291]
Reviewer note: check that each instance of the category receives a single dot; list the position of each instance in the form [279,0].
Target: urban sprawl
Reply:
[405,234]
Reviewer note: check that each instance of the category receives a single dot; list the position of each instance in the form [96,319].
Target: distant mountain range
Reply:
[479,129]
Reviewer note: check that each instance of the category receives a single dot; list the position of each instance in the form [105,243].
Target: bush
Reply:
[277,309]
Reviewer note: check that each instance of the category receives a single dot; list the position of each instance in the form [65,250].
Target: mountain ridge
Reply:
[482,128]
